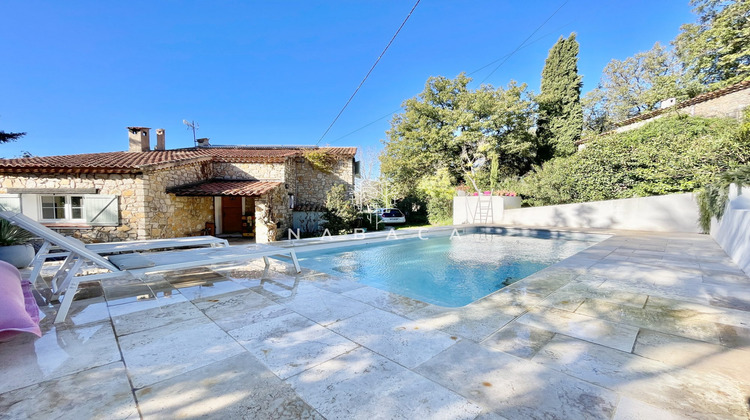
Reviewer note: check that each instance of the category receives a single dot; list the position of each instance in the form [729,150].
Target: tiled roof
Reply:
[220,187]
[135,162]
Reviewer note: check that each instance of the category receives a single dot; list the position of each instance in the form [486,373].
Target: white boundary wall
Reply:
[465,208]
[733,231]
[663,213]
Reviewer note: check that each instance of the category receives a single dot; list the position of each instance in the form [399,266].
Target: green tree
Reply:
[448,126]
[716,49]
[632,86]
[439,190]
[340,213]
[560,121]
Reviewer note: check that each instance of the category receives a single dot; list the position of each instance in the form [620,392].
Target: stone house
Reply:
[160,193]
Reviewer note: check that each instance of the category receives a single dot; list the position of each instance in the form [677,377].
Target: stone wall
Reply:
[127,187]
[311,186]
[167,215]
[262,171]
[272,215]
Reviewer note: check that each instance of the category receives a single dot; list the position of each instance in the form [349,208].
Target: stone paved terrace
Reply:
[642,325]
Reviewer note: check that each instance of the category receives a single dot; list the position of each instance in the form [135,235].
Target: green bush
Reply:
[11,234]
[670,155]
[713,197]
[340,214]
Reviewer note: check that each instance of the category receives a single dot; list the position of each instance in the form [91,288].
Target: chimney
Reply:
[203,142]
[667,103]
[159,139]
[138,138]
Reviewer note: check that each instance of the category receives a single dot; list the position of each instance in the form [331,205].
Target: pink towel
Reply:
[18,310]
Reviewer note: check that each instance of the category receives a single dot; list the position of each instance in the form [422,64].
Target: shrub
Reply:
[713,197]
[11,234]
[340,213]
[669,155]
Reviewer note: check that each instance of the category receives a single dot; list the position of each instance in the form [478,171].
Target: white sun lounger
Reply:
[134,264]
[49,251]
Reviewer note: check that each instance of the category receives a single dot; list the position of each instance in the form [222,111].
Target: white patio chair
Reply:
[136,264]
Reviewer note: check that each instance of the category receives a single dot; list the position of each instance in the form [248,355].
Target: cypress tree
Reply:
[560,121]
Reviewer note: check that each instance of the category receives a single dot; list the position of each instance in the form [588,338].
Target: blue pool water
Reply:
[444,271]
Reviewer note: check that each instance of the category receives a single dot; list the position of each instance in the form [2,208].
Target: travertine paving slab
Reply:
[164,352]
[233,388]
[98,393]
[519,340]
[632,409]
[595,330]
[516,388]
[130,321]
[127,290]
[209,289]
[695,355]
[325,307]
[682,322]
[688,393]
[571,296]
[391,302]
[473,322]
[290,344]
[364,385]
[235,310]
[402,340]
[26,359]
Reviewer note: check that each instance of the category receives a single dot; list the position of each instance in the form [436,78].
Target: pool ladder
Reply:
[483,212]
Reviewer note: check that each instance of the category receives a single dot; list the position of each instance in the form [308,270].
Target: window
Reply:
[62,208]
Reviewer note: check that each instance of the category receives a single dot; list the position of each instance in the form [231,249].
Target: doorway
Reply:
[231,214]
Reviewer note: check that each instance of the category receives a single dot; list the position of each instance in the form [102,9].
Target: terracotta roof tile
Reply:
[135,162]
[220,187]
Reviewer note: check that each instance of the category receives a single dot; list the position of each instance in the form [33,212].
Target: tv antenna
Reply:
[192,125]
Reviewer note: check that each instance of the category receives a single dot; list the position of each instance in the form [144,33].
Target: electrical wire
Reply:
[368,73]
[475,71]
[524,41]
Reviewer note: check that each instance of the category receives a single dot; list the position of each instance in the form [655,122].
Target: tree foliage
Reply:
[669,155]
[716,49]
[632,86]
[438,189]
[448,126]
[560,120]
[340,213]
[7,137]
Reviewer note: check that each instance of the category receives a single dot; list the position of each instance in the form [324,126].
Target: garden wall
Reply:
[664,213]
[733,231]
[465,209]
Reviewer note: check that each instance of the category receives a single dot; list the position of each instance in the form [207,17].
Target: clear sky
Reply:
[76,73]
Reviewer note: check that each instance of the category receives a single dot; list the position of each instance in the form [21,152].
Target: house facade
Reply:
[150,194]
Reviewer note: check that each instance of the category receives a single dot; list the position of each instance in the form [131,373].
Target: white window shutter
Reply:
[30,205]
[10,202]
[101,210]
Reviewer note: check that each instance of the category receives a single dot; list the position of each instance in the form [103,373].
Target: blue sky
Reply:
[76,73]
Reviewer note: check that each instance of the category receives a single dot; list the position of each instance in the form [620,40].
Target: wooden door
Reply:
[231,214]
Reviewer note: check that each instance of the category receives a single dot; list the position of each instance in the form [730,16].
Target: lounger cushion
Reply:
[130,261]
[18,310]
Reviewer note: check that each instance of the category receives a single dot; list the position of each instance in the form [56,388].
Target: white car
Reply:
[391,215]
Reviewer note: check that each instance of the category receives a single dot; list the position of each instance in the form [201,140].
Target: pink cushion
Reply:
[18,310]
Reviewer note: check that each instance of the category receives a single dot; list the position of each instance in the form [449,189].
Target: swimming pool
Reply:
[448,271]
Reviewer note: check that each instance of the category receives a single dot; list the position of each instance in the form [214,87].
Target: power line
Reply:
[368,73]
[524,41]
[475,71]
